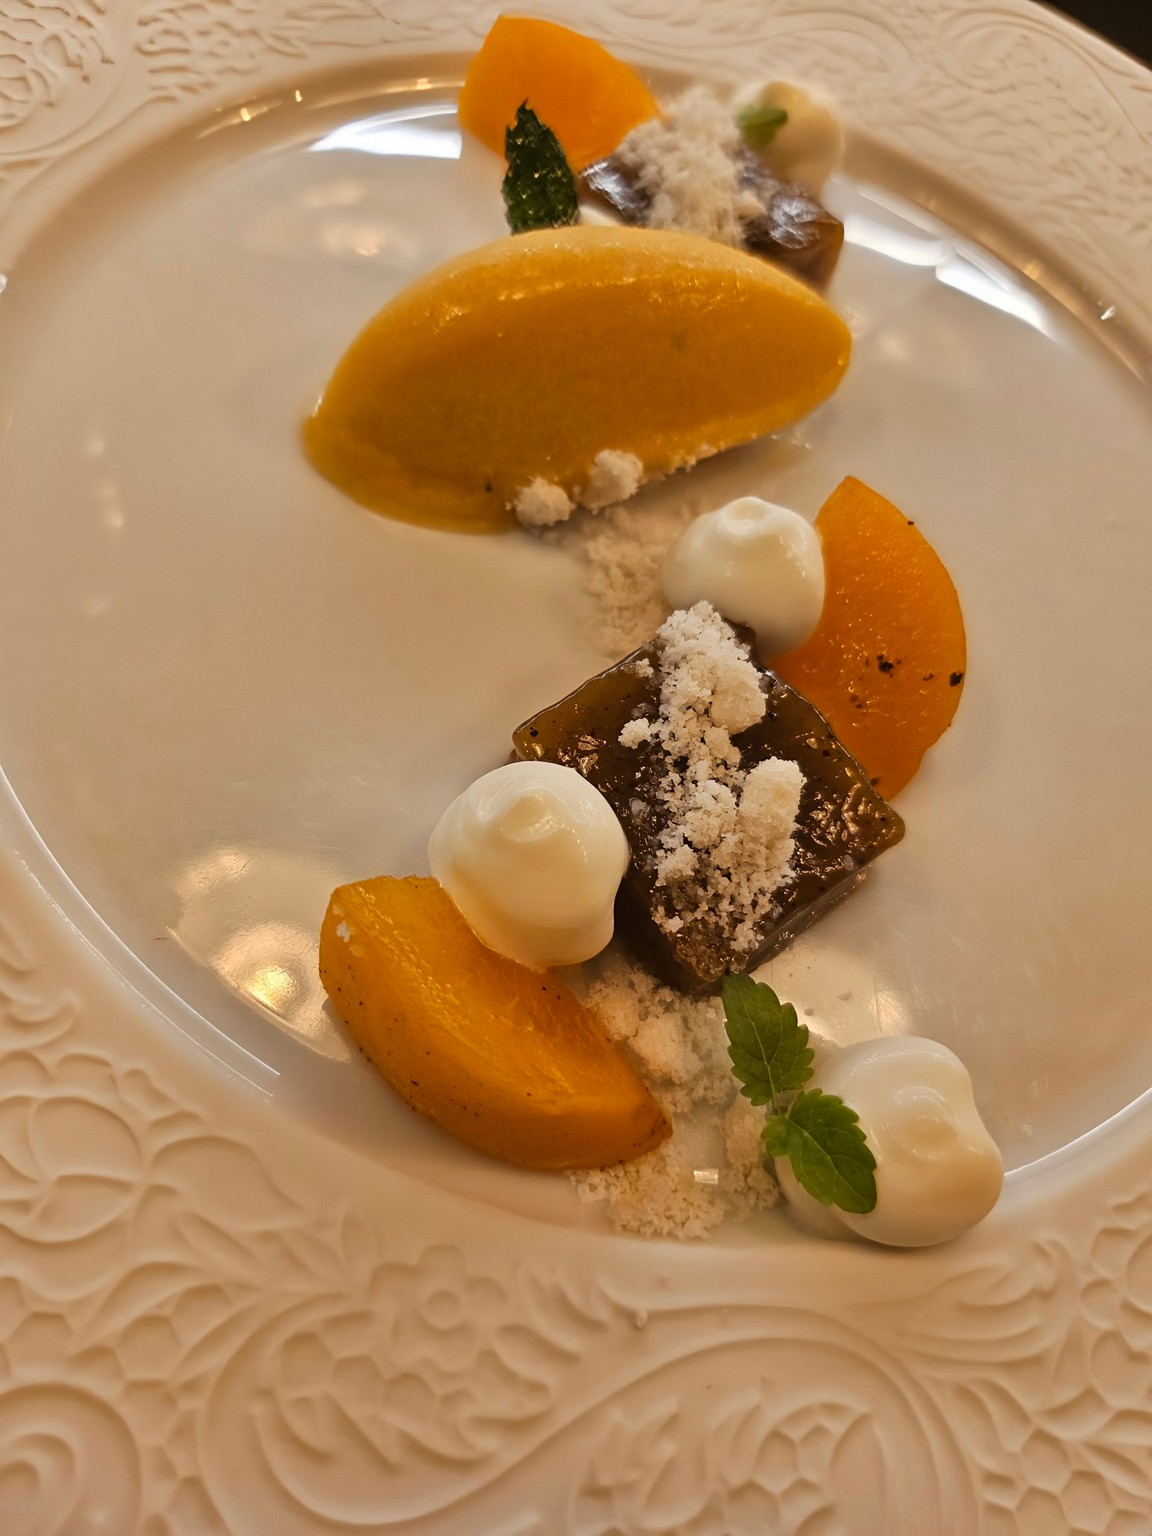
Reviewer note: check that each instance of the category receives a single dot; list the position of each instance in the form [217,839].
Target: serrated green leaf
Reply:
[539,187]
[760,125]
[767,1043]
[777,1135]
[830,1157]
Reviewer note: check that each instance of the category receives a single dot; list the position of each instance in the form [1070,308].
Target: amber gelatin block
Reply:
[843,824]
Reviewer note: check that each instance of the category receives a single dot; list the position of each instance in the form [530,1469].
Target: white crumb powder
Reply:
[542,504]
[622,551]
[766,819]
[679,1041]
[709,1168]
[687,163]
[727,844]
[615,476]
[344,932]
[635,732]
[708,682]
[742,1126]
[667,1055]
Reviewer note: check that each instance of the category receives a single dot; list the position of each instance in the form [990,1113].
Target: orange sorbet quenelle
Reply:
[523,361]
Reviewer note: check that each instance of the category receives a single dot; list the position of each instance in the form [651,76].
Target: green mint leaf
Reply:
[822,1138]
[768,1046]
[539,187]
[760,125]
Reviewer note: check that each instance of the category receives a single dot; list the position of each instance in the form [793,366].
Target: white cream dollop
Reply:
[810,145]
[938,1171]
[532,854]
[757,564]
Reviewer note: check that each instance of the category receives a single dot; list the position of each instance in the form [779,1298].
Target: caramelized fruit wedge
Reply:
[503,1057]
[589,99]
[885,665]
[842,824]
[527,358]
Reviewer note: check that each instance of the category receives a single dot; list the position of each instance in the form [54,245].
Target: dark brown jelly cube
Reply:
[795,230]
[843,824]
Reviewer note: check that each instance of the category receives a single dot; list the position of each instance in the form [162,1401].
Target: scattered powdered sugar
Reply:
[710,1166]
[542,504]
[680,1041]
[742,1127]
[623,550]
[727,844]
[688,163]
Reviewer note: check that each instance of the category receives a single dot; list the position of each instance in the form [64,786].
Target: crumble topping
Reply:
[622,551]
[614,477]
[710,1168]
[726,848]
[542,504]
[688,162]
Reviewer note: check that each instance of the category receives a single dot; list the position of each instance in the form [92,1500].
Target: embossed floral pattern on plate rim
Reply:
[204,1330]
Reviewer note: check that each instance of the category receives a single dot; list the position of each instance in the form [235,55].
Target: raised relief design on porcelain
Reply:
[448,1375]
[777,1429]
[46,51]
[1038,1359]
[72,72]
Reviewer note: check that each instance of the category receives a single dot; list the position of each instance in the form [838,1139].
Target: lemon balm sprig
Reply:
[816,1131]
[759,125]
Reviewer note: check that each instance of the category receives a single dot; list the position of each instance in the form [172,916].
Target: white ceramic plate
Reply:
[241,1289]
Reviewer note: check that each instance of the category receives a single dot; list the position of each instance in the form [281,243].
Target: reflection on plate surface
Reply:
[403,132]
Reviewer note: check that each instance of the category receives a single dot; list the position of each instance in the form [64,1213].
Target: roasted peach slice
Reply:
[589,99]
[503,1057]
[885,665]
[525,359]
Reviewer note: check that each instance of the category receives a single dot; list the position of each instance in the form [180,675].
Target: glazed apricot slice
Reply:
[502,1057]
[589,99]
[885,665]
[526,359]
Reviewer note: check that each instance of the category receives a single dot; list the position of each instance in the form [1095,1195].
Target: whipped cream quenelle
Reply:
[532,854]
[938,1171]
[757,564]
[810,144]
